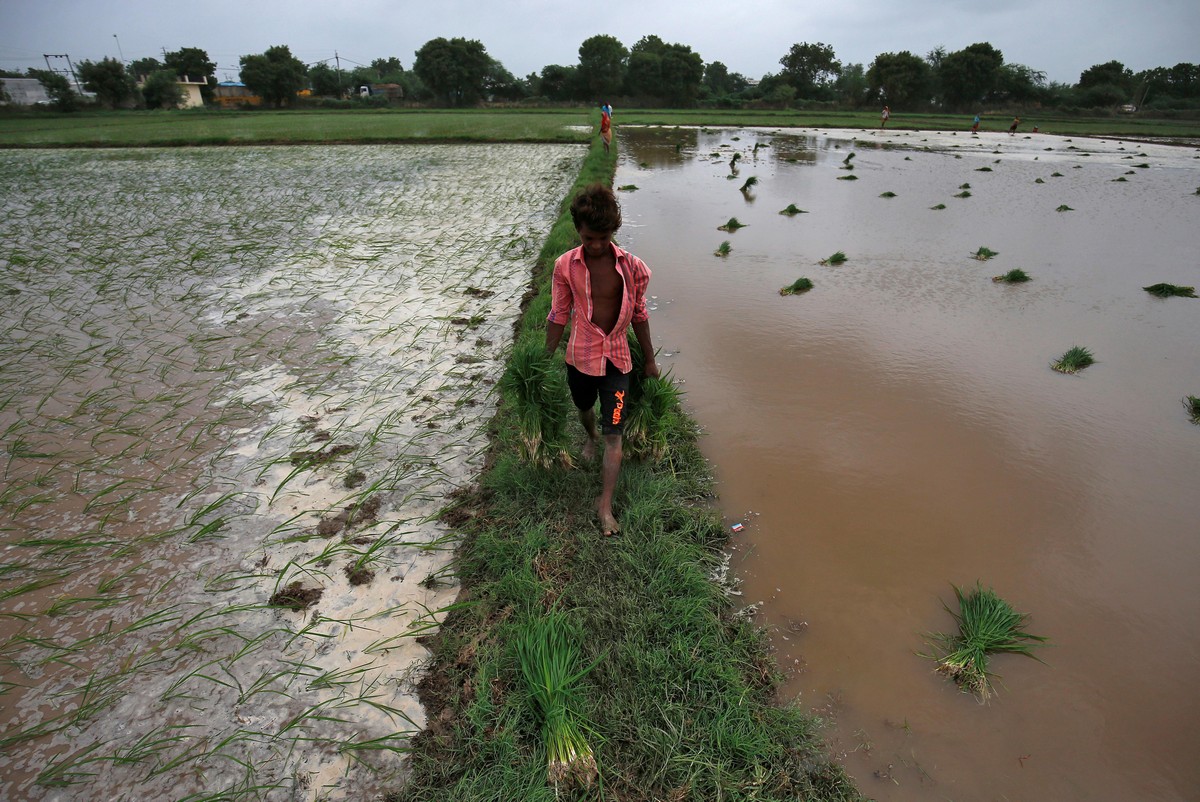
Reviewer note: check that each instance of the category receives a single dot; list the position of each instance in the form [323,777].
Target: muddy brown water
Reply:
[898,429]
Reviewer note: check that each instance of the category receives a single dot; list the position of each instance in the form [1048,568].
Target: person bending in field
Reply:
[601,290]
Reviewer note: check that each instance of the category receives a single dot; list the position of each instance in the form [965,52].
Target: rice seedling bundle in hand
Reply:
[652,412]
[836,259]
[731,225]
[1170,290]
[1074,360]
[796,287]
[536,386]
[550,659]
[987,625]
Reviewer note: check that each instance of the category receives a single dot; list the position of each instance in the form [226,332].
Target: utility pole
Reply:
[119,50]
[341,85]
[71,68]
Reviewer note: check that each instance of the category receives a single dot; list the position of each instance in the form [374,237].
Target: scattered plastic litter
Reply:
[737,527]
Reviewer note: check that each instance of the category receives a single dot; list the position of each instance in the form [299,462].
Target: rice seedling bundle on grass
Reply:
[792,210]
[1074,360]
[987,625]
[1015,276]
[1170,290]
[723,249]
[798,286]
[1192,404]
[836,259]
[984,253]
[536,386]
[549,656]
[731,225]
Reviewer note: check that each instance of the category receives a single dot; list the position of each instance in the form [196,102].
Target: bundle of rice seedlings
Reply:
[1121,178]
[792,209]
[1064,208]
[1169,290]
[733,162]
[848,158]
[627,188]
[549,656]
[987,624]
[1074,360]
[723,249]
[536,387]
[731,225]
[964,186]
[836,259]
[796,287]
[1192,404]
[1056,174]
[652,411]
[888,194]
[751,181]
[1039,180]
[984,253]
[1015,276]
[963,194]
[983,169]
[847,178]
[939,207]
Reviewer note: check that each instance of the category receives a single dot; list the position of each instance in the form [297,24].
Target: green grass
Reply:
[987,625]
[682,699]
[837,258]
[984,253]
[1075,359]
[800,285]
[1170,291]
[1014,276]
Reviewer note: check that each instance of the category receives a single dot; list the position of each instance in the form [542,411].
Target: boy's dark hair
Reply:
[596,207]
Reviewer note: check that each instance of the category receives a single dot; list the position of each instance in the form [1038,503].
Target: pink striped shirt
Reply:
[571,298]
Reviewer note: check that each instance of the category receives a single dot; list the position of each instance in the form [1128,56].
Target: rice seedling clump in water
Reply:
[1170,290]
[984,253]
[723,249]
[1015,276]
[1192,404]
[798,286]
[792,210]
[750,182]
[731,225]
[1074,360]
[987,625]
[836,259]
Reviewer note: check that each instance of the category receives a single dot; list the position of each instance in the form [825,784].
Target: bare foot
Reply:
[608,523]
[589,450]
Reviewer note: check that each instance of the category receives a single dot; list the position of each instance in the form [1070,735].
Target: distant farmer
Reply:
[607,109]
[1012,129]
[601,290]
[975,125]
[884,115]
[605,127]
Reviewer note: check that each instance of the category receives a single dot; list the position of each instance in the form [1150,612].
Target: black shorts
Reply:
[612,389]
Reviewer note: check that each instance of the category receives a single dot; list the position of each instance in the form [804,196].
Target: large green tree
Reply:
[109,80]
[557,82]
[455,70]
[809,67]
[899,79]
[274,75]
[1105,85]
[162,90]
[970,75]
[851,85]
[326,81]
[58,88]
[194,63]
[144,67]
[602,66]
[669,72]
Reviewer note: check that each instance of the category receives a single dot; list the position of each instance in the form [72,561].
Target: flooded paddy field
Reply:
[898,428]
[236,388]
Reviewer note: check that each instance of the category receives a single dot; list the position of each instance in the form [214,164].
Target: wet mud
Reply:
[898,429]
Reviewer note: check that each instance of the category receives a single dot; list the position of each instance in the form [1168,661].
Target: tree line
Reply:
[460,72]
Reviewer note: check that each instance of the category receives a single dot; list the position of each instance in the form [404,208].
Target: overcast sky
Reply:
[1059,37]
